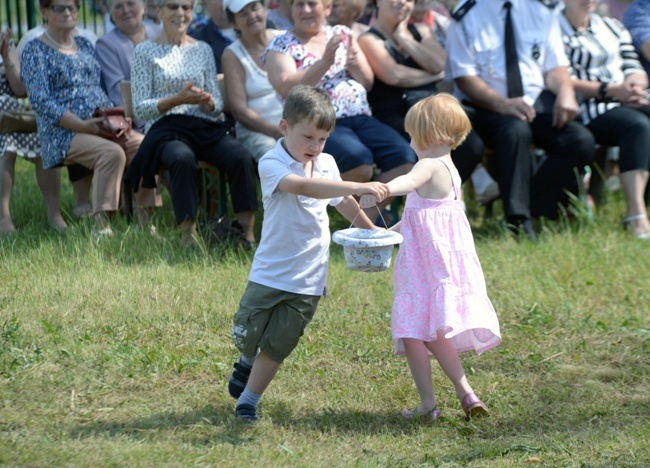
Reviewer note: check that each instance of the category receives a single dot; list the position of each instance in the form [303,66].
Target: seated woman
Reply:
[115,48]
[22,144]
[251,98]
[63,81]
[175,89]
[612,80]
[316,54]
[408,61]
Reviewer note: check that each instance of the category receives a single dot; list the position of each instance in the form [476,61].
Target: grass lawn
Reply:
[118,352]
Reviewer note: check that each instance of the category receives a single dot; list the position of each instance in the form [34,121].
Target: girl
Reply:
[441,305]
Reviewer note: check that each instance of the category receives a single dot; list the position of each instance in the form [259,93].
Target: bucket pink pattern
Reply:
[438,279]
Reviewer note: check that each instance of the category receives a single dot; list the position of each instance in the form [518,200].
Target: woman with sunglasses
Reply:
[63,81]
[175,89]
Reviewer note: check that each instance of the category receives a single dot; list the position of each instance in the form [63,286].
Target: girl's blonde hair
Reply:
[438,119]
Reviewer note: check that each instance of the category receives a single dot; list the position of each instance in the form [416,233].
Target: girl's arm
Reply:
[235,79]
[12,65]
[425,170]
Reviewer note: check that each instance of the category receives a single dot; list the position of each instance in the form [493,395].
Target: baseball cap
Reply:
[235,6]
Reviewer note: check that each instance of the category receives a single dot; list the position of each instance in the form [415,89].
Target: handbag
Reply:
[115,126]
[413,95]
[17,121]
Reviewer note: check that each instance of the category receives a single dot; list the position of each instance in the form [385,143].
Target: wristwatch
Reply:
[602,93]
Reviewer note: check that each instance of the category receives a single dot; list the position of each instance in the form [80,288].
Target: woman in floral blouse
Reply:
[329,57]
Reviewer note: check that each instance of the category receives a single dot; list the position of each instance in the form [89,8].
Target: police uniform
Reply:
[475,47]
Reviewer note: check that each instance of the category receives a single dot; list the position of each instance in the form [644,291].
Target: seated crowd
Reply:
[533,76]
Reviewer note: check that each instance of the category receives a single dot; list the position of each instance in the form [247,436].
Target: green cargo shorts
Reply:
[271,320]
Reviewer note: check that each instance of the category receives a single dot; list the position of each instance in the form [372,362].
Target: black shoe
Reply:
[517,225]
[246,413]
[238,379]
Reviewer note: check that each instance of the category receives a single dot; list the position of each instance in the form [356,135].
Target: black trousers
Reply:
[529,191]
[629,129]
[228,155]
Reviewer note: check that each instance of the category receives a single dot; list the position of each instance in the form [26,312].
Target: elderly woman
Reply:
[175,89]
[316,54]
[609,75]
[252,100]
[115,48]
[22,144]
[63,81]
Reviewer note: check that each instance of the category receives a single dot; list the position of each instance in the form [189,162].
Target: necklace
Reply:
[63,46]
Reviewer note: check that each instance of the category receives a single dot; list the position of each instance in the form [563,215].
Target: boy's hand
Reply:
[378,189]
[367,201]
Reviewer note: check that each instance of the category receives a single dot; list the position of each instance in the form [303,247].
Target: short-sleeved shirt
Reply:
[294,250]
[475,44]
[348,95]
[637,21]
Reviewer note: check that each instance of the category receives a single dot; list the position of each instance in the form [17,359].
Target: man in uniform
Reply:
[508,62]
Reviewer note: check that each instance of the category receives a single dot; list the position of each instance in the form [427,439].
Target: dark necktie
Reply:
[513,75]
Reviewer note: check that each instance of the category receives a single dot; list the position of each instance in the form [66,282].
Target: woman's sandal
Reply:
[415,413]
[473,406]
[629,219]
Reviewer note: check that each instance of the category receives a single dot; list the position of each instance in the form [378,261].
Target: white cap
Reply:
[235,6]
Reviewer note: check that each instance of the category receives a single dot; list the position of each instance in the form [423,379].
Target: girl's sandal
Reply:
[415,413]
[473,406]
[629,220]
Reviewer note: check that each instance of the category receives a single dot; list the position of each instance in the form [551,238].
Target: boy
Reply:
[289,269]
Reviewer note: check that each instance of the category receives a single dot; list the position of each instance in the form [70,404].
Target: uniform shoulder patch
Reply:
[462,9]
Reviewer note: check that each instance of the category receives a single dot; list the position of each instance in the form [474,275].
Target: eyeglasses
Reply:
[59,9]
[176,6]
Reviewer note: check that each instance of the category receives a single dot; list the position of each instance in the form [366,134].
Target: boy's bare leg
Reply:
[264,369]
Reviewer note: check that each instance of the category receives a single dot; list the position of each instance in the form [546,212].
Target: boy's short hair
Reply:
[312,104]
[437,119]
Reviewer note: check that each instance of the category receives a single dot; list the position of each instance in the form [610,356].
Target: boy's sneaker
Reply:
[246,413]
[238,379]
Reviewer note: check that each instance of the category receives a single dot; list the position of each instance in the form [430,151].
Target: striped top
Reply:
[603,52]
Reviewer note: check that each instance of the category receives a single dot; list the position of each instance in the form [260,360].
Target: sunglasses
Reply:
[176,7]
[58,9]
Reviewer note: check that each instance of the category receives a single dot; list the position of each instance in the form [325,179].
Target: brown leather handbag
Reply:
[115,124]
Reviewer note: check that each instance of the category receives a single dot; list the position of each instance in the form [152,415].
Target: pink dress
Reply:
[438,280]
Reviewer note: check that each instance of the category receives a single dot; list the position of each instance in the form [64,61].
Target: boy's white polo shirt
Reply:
[294,250]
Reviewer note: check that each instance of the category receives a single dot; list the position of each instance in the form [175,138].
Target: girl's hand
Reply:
[367,201]
[377,189]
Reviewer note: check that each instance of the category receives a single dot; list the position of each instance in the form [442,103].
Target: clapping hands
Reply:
[191,94]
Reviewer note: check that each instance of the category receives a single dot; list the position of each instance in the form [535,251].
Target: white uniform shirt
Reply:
[294,250]
[475,45]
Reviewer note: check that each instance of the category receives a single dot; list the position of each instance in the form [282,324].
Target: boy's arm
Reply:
[326,188]
[351,210]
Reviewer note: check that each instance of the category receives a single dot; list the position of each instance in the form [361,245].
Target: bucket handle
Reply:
[380,215]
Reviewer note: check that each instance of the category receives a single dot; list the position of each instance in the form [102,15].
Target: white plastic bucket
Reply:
[367,250]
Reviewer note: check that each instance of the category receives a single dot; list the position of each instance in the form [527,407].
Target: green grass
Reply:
[118,353]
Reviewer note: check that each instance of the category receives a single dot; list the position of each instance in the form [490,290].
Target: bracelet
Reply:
[602,94]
